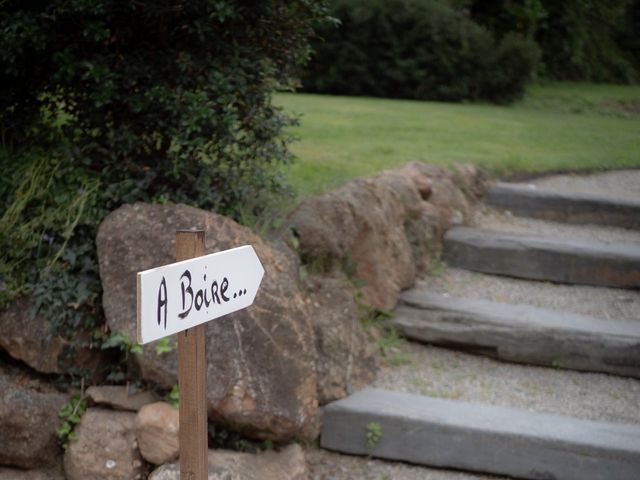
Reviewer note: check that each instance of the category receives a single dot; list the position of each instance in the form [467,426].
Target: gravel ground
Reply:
[442,373]
[598,302]
[490,219]
[615,184]
[438,372]
[325,465]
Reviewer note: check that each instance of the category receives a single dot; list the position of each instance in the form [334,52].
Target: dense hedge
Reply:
[105,102]
[419,49]
[580,39]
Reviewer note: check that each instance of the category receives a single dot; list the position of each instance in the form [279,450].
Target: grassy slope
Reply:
[565,126]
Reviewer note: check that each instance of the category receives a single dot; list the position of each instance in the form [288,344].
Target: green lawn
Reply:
[556,127]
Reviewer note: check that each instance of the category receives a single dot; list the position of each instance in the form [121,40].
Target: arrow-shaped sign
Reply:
[182,295]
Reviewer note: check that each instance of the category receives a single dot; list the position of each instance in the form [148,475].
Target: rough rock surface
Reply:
[261,373]
[157,428]
[346,357]
[385,228]
[105,447]
[288,464]
[31,341]
[14,474]
[119,397]
[28,420]
[27,339]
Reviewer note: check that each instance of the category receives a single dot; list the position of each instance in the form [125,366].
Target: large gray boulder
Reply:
[382,230]
[261,376]
[346,357]
[28,420]
[105,447]
[29,339]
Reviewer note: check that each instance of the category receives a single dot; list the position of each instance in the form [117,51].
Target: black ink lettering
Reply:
[214,292]
[162,303]
[199,300]
[185,290]
[223,288]
[207,302]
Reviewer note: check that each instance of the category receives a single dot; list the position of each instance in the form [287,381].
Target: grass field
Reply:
[556,127]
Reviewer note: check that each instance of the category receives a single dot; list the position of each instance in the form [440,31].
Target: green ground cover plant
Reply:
[374,434]
[555,127]
[70,415]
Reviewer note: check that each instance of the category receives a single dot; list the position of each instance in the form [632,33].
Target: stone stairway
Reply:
[543,258]
[485,438]
[563,328]
[570,207]
[521,333]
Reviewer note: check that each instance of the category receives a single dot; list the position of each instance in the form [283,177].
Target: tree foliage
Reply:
[419,49]
[105,102]
[583,40]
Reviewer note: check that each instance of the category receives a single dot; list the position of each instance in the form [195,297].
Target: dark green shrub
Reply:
[502,17]
[581,40]
[419,49]
[628,36]
[514,59]
[106,102]
[578,41]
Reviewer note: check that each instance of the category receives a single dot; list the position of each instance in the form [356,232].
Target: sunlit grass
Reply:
[556,127]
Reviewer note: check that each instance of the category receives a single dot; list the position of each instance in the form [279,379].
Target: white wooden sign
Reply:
[182,295]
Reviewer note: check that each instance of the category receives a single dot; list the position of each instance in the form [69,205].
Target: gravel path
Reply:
[505,222]
[438,372]
[325,465]
[615,184]
[599,302]
[443,373]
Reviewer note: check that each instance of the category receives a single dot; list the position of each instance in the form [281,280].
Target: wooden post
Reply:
[192,378]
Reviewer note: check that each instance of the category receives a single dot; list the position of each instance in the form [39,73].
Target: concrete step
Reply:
[481,438]
[570,207]
[543,258]
[521,333]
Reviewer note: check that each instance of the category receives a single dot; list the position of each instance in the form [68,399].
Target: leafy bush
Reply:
[514,60]
[419,49]
[106,102]
[580,39]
